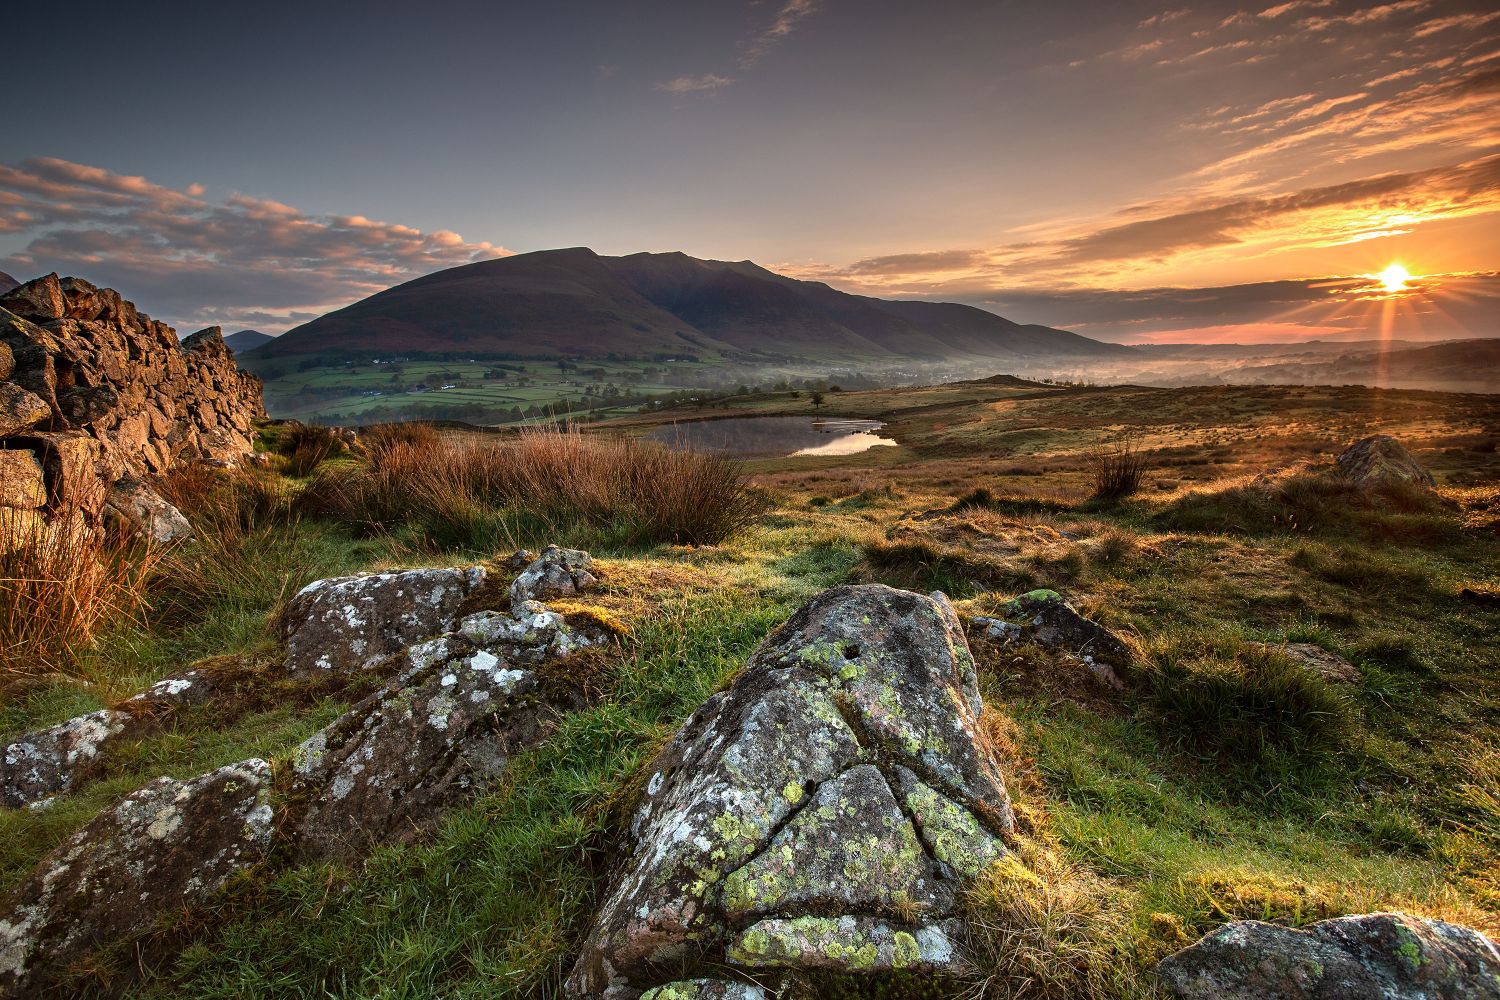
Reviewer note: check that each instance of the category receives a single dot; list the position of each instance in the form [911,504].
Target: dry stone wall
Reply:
[93,390]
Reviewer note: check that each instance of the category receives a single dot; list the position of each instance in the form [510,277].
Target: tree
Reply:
[817,400]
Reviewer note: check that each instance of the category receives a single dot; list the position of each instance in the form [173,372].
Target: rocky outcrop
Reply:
[823,814]
[1377,956]
[350,623]
[52,760]
[170,845]
[555,573]
[91,390]
[1380,460]
[453,711]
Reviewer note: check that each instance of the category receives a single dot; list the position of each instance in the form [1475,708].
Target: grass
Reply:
[1222,783]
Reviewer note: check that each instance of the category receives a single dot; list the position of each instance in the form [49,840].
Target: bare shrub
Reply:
[62,582]
[1116,470]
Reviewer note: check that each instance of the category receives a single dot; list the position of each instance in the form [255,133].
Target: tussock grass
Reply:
[62,583]
[548,482]
[1115,470]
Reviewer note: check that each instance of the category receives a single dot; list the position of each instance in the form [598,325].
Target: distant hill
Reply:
[576,303]
[7,283]
[1456,365]
[247,340]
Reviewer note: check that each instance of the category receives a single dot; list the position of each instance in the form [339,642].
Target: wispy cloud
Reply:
[238,260]
[705,83]
[788,17]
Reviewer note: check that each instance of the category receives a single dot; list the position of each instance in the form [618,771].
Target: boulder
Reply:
[556,572]
[823,813]
[20,410]
[190,687]
[52,760]
[1330,666]
[1380,460]
[440,728]
[170,845]
[135,504]
[1376,956]
[40,299]
[350,623]
[21,482]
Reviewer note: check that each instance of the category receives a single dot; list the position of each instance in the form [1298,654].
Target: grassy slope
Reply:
[1402,808]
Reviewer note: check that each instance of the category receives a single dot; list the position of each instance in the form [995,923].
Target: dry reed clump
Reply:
[306,446]
[62,583]
[482,492]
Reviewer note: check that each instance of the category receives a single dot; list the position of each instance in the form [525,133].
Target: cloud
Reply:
[918,263]
[238,261]
[788,16]
[706,83]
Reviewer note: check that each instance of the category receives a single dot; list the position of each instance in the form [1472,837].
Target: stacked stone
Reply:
[92,390]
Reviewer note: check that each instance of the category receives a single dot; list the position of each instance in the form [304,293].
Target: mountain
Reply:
[247,340]
[576,303]
[1454,366]
[7,283]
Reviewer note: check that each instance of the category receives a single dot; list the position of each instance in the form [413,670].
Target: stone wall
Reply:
[93,392]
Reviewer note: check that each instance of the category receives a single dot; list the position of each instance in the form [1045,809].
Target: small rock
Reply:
[1376,956]
[20,410]
[21,483]
[1329,666]
[555,573]
[519,559]
[191,687]
[170,845]
[999,630]
[1052,622]
[52,760]
[350,623]
[134,503]
[1380,460]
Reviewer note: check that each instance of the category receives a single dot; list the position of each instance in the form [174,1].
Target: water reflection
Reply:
[748,436]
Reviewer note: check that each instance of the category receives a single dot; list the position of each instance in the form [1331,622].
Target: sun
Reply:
[1394,278]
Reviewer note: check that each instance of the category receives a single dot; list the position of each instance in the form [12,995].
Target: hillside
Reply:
[247,340]
[576,303]
[1472,365]
[7,282]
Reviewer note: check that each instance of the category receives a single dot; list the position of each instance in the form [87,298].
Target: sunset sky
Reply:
[1133,172]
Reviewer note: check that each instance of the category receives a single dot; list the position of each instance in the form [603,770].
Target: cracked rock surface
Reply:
[350,623]
[1373,956]
[168,845]
[557,572]
[823,813]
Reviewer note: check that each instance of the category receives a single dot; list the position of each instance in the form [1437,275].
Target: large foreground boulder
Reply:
[1377,956]
[350,623]
[170,845]
[822,815]
[1380,460]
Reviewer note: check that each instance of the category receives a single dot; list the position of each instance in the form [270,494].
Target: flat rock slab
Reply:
[838,788]
[1377,956]
[169,845]
[705,989]
[52,760]
[351,623]
[846,944]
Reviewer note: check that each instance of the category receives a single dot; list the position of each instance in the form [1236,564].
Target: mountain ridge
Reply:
[573,302]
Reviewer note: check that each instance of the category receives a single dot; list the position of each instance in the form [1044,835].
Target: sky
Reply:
[1134,172]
